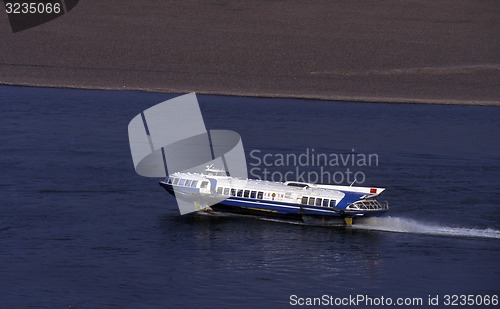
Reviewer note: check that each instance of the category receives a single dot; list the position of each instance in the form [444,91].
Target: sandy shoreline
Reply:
[444,52]
[391,100]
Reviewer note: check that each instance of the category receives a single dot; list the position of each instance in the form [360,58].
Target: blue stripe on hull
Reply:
[279,207]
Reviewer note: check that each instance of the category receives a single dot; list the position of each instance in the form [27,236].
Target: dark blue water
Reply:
[80,229]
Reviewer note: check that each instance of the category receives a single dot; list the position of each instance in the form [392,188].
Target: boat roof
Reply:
[264,185]
[222,178]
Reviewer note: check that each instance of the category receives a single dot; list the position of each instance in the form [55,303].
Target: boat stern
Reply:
[366,207]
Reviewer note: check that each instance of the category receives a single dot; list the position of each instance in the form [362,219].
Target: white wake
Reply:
[403,225]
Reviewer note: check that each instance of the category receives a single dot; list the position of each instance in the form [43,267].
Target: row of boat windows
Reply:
[186,182]
[317,201]
[306,200]
[240,192]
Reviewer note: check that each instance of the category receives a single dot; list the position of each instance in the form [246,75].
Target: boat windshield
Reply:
[215,173]
[298,184]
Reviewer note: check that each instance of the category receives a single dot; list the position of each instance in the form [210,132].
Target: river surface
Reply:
[80,229]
